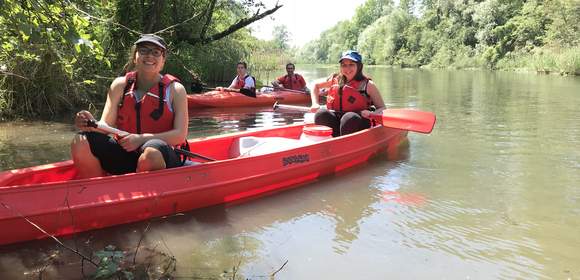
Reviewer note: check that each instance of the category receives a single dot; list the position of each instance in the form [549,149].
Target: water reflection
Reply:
[492,193]
[214,121]
[25,144]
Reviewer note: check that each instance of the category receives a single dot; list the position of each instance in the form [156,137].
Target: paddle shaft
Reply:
[109,129]
[287,89]
[291,107]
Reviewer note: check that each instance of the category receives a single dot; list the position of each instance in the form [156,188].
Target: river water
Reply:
[492,193]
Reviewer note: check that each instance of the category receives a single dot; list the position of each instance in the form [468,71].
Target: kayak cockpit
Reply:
[216,147]
[47,173]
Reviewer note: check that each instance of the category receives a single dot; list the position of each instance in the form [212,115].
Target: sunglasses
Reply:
[289,68]
[154,52]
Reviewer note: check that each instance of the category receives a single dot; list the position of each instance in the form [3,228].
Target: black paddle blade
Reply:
[248,92]
[196,87]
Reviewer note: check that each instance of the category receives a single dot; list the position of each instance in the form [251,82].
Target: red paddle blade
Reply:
[411,120]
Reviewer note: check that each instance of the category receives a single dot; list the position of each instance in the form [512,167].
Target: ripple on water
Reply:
[471,234]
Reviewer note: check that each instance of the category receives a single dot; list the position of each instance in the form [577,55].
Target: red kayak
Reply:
[245,164]
[235,99]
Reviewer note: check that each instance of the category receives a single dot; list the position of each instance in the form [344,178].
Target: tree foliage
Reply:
[281,37]
[48,56]
[455,33]
[59,56]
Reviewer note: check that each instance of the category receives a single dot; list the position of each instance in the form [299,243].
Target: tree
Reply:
[281,37]
[563,29]
[56,56]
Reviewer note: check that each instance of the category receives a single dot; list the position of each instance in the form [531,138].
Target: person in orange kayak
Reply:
[242,80]
[150,106]
[350,97]
[291,80]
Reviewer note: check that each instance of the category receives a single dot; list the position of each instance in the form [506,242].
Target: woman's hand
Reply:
[81,120]
[131,142]
[365,113]
[314,108]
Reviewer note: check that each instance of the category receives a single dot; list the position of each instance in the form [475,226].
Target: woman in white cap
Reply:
[150,106]
[351,96]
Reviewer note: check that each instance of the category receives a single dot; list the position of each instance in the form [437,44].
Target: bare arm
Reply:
[277,84]
[315,94]
[376,98]
[231,87]
[109,111]
[114,97]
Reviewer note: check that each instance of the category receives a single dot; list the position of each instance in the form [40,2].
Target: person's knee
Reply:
[351,116]
[80,145]
[324,117]
[152,155]
[151,159]
[352,122]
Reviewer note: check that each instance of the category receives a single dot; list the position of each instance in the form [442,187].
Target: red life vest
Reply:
[297,82]
[354,97]
[240,83]
[152,114]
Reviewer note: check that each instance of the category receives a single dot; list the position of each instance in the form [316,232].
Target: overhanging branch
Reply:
[233,28]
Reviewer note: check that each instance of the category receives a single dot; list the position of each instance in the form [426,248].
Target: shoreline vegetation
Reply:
[537,35]
[56,58]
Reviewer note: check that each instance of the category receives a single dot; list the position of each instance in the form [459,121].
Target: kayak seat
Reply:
[253,146]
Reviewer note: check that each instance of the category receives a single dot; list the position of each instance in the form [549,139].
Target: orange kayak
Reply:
[247,164]
[234,99]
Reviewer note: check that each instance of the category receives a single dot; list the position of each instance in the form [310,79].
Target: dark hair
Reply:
[290,64]
[130,65]
[242,63]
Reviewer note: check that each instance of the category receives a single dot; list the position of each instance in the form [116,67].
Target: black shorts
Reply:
[342,123]
[116,160]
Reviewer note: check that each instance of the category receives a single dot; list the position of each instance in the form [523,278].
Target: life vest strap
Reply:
[156,114]
[128,86]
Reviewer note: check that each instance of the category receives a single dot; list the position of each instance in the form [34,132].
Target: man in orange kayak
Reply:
[350,97]
[150,106]
[242,80]
[291,80]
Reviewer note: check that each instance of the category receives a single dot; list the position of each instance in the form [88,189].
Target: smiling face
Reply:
[290,69]
[348,68]
[149,58]
[241,70]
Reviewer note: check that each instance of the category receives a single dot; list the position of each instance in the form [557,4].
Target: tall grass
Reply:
[263,63]
[544,60]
